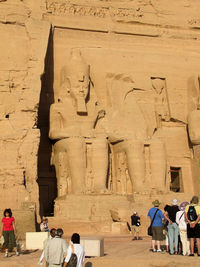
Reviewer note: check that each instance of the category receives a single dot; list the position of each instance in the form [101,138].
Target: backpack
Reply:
[191,214]
[73,259]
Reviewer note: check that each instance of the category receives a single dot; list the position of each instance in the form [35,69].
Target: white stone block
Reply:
[93,246]
[35,240]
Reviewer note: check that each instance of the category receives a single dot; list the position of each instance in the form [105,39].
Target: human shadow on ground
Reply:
[25,252]
[88,264]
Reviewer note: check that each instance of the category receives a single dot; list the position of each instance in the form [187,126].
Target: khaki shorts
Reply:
[157,233]
[135,228]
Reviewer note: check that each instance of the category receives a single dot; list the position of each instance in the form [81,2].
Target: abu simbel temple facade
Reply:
[99,110]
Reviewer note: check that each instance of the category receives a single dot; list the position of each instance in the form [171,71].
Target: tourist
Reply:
[156,217]
[173,230]
[77,249]
[52,235]
[192,215]
[9,231]
[55,250]
[135,226]
[44,226]
[165,234]
[180,220]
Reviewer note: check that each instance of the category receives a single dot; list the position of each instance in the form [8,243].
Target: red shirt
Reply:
[7,223]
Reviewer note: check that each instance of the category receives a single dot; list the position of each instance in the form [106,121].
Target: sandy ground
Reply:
[120,251]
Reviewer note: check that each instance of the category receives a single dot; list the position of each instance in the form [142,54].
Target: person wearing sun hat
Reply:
[173,230]
[157,229]
[180,220]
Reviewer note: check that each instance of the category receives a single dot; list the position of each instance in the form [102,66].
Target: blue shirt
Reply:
[158,218]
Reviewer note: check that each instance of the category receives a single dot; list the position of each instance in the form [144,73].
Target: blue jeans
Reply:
[173,232]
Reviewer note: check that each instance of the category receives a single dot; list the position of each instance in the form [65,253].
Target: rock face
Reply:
[99,104]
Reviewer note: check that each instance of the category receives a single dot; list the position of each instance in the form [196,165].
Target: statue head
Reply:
[158,84]
[77,74]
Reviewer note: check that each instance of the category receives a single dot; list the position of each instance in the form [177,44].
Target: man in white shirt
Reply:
[77,249]
[180,220]
[55,250]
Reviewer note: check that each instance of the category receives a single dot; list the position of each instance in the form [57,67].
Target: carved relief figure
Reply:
[160,100]
[73,118]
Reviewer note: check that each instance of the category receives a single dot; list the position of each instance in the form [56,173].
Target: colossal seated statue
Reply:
[127,127]
[73,118]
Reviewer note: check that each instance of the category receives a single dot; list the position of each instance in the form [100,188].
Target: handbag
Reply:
[149,230]
[73,259]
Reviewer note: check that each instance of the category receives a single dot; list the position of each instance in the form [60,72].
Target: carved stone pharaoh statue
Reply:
[73,118]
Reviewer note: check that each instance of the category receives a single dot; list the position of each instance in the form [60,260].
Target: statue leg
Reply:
[59,161]
[158,164]
[76,152]
[100,163]
[136,164]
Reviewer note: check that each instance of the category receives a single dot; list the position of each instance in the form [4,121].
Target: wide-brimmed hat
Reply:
[183,205]
[175,201]
[156,203]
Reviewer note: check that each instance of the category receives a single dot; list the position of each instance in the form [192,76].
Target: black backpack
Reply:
[73,259]
[191,214]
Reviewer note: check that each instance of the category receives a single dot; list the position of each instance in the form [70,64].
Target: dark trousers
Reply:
[9,239]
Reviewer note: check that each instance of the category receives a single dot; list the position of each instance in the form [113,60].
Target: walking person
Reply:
[135,226]
[181,222]
[52,235]
[9,231]
[156,217]
[55,250]
[77,249]
[173,230]
[192,215]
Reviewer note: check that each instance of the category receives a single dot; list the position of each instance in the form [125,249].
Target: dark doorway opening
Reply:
[176,184]
[46,173]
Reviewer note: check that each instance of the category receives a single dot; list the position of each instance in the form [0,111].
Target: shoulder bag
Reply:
[149,230]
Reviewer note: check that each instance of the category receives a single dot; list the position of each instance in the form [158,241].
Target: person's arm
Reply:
[1,232]
[41,258]
[166,215]
[13,224]
[177,218]
[69,253]
[46,252]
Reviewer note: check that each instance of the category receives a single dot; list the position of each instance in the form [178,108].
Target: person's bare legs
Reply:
[158,244]
[198,245]
[153,242]
[192,245]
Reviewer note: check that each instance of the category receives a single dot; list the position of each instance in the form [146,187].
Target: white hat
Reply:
[175,201]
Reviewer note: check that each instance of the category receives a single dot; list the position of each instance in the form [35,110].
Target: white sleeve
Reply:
[42,256]
[69,253]
[83,256]
[46,252]
[177,218]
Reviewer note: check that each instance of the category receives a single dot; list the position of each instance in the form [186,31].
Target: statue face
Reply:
[79,83]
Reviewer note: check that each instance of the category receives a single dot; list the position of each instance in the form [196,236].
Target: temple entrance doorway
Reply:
[176,184]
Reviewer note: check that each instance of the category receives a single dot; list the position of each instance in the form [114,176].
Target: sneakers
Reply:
[6,255]
[154,250]
[17,253]
[159,250]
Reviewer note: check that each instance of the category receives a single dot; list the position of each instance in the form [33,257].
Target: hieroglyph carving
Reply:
[62,8]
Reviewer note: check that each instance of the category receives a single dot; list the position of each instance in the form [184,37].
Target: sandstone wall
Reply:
[140,40]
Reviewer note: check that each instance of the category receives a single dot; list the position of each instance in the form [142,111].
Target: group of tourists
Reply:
[179,223]
[56,251]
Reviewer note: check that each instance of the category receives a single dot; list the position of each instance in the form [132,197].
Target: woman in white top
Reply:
[180,220]
[76,248]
